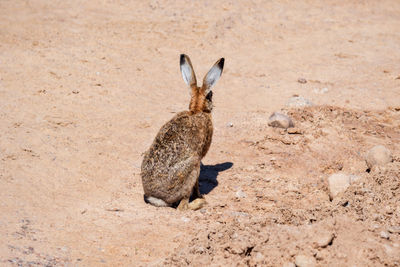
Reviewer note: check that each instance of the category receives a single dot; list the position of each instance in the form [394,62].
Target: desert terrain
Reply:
[86,85]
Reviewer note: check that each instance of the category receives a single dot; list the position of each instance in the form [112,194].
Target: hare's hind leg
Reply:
[196,190]
[199,200]
[191,184]
[187,188]
[196,204]
[183,205]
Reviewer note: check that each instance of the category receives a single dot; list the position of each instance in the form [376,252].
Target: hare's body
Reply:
[175,153]
[171,166]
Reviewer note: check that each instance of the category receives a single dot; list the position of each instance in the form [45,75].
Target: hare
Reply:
[171,166]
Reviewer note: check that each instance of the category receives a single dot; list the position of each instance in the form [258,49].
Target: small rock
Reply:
[376,216]
[373,228]
[259,257]
[249,168]
[185,219]
[292,188]
[305,261]
[378,156]
[394,229]
[294,131]
[229,124]
[240,194]
[288,264]
[199,250]
[239,214]
[320,91]
[321,254]
[298,102]
[267,179]
[324,240]
[389,210]
[301,80]
[384,235]
[280,120]
[338,183]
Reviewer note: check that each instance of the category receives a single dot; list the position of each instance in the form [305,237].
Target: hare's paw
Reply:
[183,205]
[197,204]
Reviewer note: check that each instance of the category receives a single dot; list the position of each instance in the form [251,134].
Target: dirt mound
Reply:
[268,221]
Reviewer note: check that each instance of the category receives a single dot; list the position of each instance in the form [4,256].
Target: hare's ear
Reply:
[213,75]
[187,71]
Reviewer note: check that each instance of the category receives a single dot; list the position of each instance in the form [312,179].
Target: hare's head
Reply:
[201,97]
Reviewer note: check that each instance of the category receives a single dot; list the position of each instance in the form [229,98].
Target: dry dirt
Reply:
[86,85]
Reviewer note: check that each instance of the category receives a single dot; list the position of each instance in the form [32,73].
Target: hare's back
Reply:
[183,136]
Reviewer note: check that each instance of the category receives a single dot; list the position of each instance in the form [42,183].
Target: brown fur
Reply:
[198,101]
[177,149]
[171,167]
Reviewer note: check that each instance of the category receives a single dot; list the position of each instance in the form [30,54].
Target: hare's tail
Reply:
[156,201]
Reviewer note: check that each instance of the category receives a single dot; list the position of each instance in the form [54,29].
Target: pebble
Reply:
[389,210]
[305,261]
[378,156]
[280,120]
[338,183]
[376,216]
[324,240]
[185,219]
[384,235]
[259,257]
[320,91]
[199,250]
[229,124]
[239,214]
[240,194]
[394,229]
[301,80]
[294,131]
[298,102]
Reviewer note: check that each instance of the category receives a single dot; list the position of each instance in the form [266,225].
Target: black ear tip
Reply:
[221,63]
[182,59]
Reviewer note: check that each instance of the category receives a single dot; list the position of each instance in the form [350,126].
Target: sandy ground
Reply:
[86,85]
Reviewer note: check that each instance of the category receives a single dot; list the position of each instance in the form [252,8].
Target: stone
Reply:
[301,80]
[298,102]
[294,131]
[378,156]
[389,210]
[259,257]
[320,90]
[185,219]
[325,239]
[305,261]
[279,120]
[338,183]
[394,229]
[240,194]
[384,235]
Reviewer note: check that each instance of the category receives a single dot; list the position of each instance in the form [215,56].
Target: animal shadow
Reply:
[208,176]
